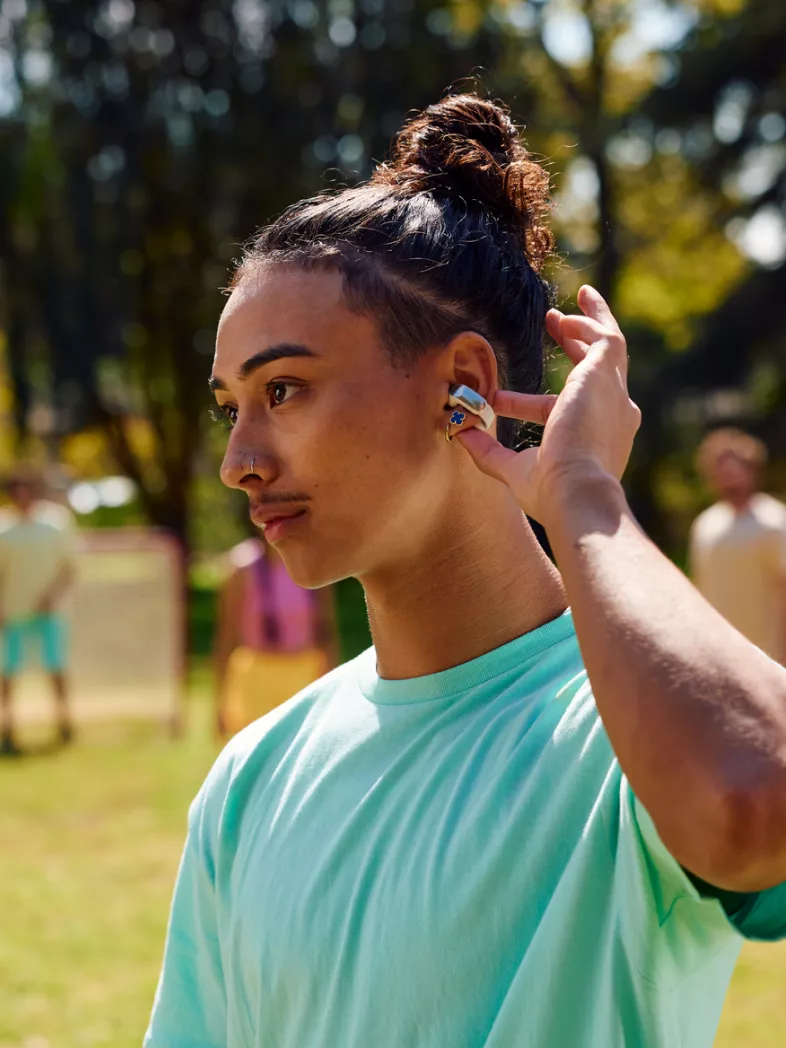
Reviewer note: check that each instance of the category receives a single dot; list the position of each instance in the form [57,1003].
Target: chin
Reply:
[309,568]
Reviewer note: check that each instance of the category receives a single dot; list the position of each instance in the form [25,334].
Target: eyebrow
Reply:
[265,356]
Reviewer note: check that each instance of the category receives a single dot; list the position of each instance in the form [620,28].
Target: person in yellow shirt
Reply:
[272,636]
[36,570]
[738,545]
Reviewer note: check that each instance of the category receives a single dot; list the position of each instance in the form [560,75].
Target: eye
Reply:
[280,391]
[224,414]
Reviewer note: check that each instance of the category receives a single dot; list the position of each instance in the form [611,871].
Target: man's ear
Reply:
[469,361]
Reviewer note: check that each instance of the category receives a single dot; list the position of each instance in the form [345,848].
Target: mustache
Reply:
[275,499]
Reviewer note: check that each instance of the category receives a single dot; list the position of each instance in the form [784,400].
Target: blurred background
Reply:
[140,144]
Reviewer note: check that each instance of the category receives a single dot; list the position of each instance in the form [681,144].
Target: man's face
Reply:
[348,467]
[732,479]
[21,495]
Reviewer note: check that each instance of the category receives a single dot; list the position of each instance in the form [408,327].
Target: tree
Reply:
[146,142]
[142,142]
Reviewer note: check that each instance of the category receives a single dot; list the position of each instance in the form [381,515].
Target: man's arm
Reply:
[695,713]
[57,589]
[190,1007]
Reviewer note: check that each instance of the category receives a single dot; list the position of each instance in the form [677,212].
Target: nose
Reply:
[244,465]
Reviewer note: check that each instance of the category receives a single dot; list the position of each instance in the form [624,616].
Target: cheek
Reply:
[369,454]
[376,483]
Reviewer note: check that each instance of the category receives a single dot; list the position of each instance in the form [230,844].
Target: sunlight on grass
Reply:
[91,840]
[755,1012]
[90,843]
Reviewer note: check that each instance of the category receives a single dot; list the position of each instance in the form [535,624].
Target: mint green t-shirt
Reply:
[452,861]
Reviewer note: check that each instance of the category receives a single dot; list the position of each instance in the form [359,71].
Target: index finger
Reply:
[594,305]
[527,407]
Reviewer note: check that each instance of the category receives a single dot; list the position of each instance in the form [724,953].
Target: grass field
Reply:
[89,844]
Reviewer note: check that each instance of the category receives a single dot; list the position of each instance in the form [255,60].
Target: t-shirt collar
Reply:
[459,679]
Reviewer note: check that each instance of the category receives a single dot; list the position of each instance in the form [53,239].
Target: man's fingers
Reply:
[575,349]
[510,467]
[489,455]
[528,407]
[594,305]
[585,328]
[593,331]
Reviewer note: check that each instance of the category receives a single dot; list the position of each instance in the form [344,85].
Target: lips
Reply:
[276,521]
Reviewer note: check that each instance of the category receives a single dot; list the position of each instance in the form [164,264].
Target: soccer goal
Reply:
[127,633]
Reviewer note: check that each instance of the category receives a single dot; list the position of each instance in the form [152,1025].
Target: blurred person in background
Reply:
[272,636]
[545,808]
[738,545]
[36,571]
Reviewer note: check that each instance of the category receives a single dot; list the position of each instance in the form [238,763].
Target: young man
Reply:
[508,824]
[738,546]
[36,569]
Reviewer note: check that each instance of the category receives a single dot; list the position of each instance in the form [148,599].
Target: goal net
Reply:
[126,631]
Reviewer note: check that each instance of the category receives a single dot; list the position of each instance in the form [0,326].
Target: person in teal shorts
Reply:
[35,572]
[549,804]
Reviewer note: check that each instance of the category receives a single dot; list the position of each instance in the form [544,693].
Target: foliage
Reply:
[148,140]
[140,143]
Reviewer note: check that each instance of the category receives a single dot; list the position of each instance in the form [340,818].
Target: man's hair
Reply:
[450,235]
[730,441]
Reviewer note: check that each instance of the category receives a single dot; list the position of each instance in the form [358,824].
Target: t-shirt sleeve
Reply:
[190,1009]
[758,915]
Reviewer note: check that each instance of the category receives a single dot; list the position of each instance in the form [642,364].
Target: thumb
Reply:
[488,454]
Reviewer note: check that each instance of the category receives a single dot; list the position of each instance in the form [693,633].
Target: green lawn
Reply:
[89,843]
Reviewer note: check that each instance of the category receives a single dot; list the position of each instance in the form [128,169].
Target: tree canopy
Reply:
[141,143]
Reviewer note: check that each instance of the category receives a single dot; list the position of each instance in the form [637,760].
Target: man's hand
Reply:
[695,713]
[589,427]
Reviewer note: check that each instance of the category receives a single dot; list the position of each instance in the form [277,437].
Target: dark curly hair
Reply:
[450,235]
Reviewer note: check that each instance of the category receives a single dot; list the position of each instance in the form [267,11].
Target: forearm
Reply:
[57,589]
[695,714]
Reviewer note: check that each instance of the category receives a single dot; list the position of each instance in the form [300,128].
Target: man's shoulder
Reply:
[295,711]
[771,512]
[8,519]
[265,741]
[45,526]
[53,514]
[718,515]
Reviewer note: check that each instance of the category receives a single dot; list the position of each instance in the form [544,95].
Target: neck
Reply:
[479,584]
[741,502]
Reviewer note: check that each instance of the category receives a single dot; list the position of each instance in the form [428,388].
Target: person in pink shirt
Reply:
[272,636]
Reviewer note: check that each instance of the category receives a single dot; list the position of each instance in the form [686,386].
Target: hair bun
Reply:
[467,147]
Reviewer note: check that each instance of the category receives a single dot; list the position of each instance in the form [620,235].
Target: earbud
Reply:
[465,397]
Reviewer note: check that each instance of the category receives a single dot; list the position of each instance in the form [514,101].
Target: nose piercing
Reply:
[465,397]
[253,460]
